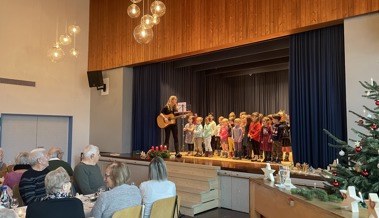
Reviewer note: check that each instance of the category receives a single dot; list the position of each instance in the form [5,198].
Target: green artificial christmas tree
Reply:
[358,164]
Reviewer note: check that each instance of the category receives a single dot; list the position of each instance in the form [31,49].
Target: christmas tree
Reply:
[358,164]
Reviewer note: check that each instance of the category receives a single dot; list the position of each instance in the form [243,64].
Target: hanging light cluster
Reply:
[143,33]
[56,53]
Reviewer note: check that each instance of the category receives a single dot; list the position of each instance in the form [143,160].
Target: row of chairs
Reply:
[167,207]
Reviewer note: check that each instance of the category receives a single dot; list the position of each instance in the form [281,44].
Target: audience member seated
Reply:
[57,203]
[120,196]
[158,187]
[87,175]
[22,163]
[3,166]
[7,213]
[32,183]
[56,156]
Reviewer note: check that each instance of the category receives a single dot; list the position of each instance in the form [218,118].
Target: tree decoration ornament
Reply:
[365,173]
[335,183]
[334,173]
[341,153]
[359,166]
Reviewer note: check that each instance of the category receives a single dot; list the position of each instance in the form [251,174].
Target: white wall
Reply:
[27,31]
[362,63]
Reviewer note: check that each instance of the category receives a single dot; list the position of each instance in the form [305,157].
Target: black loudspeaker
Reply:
[95,79]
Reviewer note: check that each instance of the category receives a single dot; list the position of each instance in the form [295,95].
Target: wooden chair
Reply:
[165,208]
[16,194]
[133,212]
[10,168]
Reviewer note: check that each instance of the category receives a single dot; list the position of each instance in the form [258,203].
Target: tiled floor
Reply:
[221,213]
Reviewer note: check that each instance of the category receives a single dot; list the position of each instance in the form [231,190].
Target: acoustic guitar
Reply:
[171,120]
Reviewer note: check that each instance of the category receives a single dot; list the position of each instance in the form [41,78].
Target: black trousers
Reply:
[174,129]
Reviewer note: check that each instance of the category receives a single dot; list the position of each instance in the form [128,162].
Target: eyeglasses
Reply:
[107,175]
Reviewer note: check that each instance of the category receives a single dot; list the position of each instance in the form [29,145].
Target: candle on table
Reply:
[157,148]
[152,147]
[372,81]
[161,148]
[165,147]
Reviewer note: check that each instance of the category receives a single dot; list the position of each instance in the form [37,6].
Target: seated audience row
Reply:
[49,192]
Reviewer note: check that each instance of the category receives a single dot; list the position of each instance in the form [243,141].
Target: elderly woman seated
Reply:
[22,164]
[120,196]
[58,203]
[158,187]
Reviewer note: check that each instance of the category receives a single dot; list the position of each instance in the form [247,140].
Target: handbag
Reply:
[176,209]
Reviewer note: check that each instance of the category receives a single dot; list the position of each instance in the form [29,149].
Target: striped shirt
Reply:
[32,185]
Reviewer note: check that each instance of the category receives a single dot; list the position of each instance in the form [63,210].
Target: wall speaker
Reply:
[95,78]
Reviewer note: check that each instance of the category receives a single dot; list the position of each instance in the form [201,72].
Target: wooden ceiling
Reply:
[193,27]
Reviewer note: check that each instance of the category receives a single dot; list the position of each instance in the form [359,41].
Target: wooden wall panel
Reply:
[191,27]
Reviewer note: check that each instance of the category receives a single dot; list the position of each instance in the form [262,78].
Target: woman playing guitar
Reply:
[170,108]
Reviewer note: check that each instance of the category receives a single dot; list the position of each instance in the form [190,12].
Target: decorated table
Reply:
[268,200]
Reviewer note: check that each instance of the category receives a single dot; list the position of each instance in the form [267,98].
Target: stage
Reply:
[226,164]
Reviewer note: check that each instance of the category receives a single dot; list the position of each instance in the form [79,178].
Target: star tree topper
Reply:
[373,206]
[268,172]
[350,199]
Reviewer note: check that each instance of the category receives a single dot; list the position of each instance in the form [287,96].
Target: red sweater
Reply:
[224,133]
[255,130]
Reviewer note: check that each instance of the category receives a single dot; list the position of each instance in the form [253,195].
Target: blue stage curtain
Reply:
[317,94]
[146,106]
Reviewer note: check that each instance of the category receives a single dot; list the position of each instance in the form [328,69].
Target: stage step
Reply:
[199,198]
[201,170]
[197,185]
[195,209]
[192,182]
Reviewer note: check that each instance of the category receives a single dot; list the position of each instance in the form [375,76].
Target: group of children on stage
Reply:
[253,137]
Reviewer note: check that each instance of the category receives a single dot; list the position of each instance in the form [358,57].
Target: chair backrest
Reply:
[10,168]
[165,208]
[134,212]
[16,194]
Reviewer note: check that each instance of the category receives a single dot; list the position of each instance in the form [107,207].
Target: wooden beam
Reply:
[257,48]
[243,60]
[252,65]
[265,69]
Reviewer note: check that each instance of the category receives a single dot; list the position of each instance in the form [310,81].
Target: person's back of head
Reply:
[90,150]
[56,180]
[35,154]
[55,152]
[22,158]
[120,173]
[157,169]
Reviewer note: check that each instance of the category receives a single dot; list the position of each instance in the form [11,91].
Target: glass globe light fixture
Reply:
[156,19]
[73,29]
[143,35]
[74,52]
[65,39]
[147,21]
[158,8]
[135,1]
[56,53]
[133,11]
